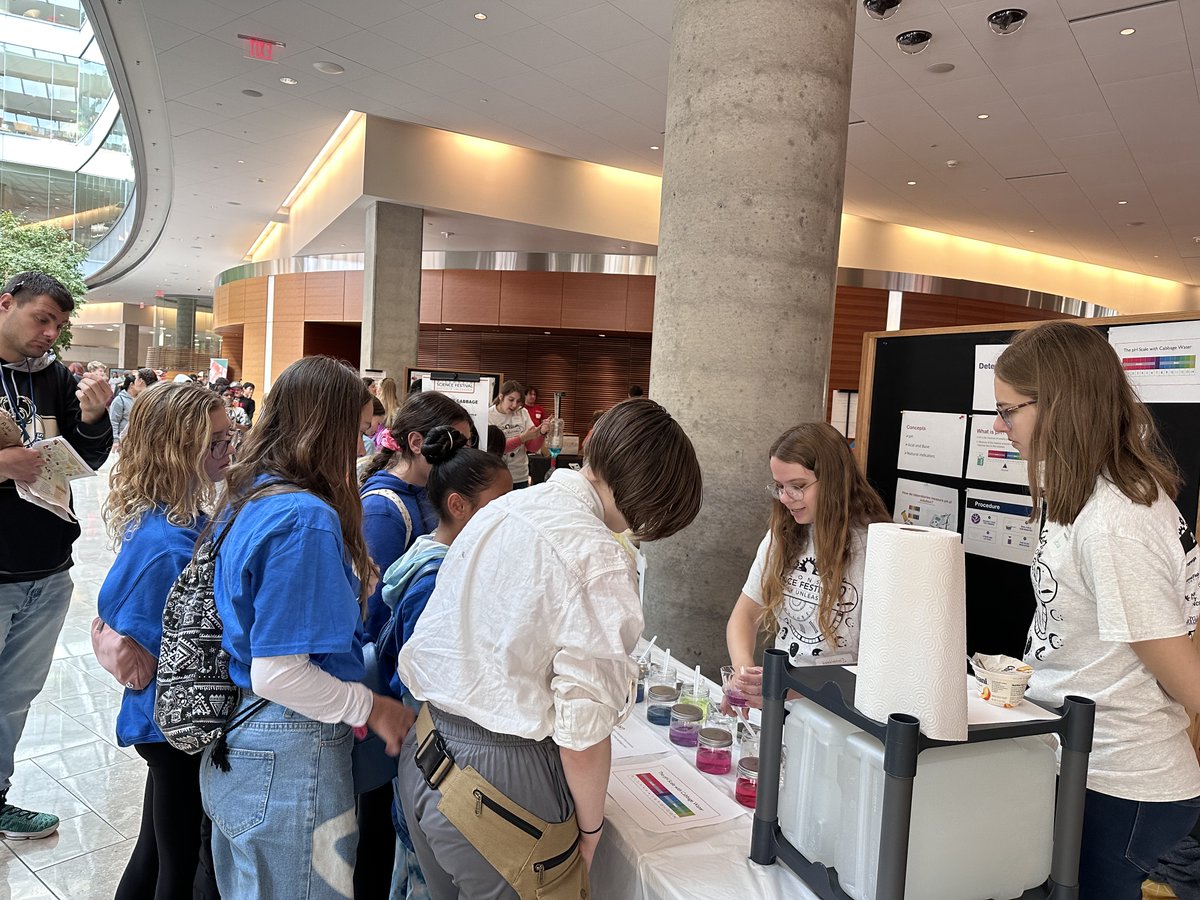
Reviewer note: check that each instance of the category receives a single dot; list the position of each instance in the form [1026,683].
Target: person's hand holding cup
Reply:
[742,686]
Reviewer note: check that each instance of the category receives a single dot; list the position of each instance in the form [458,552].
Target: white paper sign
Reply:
[992,456]
[928,505]
[474,396]
[932,442]
[1160,360]
[985,365]
[636,737]
[669,795]
[997,525]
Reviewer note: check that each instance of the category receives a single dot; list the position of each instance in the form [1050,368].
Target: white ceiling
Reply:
[1079,117]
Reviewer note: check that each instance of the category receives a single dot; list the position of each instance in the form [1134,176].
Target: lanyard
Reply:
[13,397]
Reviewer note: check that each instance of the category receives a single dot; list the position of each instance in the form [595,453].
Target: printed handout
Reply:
[992,456]
[932,442]
[997,525]
[925,504]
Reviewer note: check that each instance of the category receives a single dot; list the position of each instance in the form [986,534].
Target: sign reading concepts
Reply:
[985,372]
[932,442]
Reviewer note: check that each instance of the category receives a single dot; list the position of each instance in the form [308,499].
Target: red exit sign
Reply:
[260,48]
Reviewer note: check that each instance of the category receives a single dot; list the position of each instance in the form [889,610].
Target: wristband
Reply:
[595,830]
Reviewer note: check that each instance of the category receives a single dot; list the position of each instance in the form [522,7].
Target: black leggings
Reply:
[170,860]
[376,845]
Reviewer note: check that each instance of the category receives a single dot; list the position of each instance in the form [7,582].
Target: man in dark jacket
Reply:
[35,545]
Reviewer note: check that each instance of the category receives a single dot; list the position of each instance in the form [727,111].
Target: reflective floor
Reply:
[68,762]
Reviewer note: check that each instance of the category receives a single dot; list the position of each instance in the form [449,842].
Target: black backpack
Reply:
[195,697]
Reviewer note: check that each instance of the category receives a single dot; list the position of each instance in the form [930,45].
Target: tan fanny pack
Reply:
[539,859]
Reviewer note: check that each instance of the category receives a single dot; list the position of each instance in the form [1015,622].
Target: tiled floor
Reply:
[68,762]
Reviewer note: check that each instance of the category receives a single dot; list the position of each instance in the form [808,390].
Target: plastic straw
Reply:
[667,662]
[646,655]
[696,683]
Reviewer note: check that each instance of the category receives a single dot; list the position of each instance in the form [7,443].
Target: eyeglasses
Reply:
[1005,412]
[793,493]
[221,448]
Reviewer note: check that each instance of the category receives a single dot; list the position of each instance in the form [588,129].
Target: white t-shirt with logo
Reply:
[799,632]
[1120,573]
[513,424]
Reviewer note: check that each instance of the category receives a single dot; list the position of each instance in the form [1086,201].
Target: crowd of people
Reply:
[384,592]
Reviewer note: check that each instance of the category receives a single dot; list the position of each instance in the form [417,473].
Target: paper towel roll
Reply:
[913,636]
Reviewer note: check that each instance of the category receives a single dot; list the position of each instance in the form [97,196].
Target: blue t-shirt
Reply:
[284,586]
[131,603]
[385,533]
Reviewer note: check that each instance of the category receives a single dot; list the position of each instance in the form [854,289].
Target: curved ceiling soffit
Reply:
[124,37]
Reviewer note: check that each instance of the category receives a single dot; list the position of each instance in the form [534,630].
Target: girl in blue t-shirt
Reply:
[291,585]
[462,481]
[174,450]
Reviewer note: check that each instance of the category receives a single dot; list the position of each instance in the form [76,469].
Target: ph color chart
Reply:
[1158,363]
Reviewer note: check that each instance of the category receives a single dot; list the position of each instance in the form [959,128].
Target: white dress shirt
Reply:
[535,613]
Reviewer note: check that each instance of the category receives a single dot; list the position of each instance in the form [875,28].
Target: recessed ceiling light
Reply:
[599,335]
[545,332]
[287,79]
[1126,32]
[481,16]
[1031,231]
[241,162]
[233,202]
[483,99]
[911,183]
[1156,256]
[1122,202]
[449,329]
[983,116]
[250,92]
[655,147]
[940,68]
[325,67]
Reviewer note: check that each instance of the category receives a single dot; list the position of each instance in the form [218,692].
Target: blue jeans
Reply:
[1124,839]
[283,815]
[31,616]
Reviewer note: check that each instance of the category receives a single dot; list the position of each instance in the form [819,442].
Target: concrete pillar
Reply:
[391,319]
[185,323]
[128,356]
[758,102]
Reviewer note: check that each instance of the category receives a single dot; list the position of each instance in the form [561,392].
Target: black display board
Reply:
[934,372]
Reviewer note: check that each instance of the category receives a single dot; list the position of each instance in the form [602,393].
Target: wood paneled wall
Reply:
[596,373]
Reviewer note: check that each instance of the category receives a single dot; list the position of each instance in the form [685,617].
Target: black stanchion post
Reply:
[900,749]
[770,751]
[1079,720]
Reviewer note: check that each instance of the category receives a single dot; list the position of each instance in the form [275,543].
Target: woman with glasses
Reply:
[806,582]
[1115,577]
[163,487]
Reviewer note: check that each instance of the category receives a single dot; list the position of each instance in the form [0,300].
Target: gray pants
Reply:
[528,772]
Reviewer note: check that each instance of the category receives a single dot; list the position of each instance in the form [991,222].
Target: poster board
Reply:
[934,370]
[474,390]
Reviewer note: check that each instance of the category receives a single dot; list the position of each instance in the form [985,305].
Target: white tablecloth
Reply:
[634,864]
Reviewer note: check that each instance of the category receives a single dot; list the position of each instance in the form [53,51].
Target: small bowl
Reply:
[1005,689]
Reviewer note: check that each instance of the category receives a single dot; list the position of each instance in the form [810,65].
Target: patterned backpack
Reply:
[195,697]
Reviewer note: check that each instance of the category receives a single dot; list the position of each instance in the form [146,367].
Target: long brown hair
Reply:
[306,434]
[421,412]
[846,503]
[162,459]
[1089,424]
[389,396]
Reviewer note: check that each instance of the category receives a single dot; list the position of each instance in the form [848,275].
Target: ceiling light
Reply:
[250,92]
[545,332]
[599,335]
[911,183]
[233,202]
[983,116]
[241,162]
[1122,202]
[1006,21]
[913,42]
[480,16]
[655,147]
[287,79]
[325,67]
[1126,32]
[940,68]
[449,329]
[1031,231]
[881,9]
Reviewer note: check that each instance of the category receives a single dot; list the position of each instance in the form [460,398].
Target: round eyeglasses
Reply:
[221,448]
[1005,412]
[793,493]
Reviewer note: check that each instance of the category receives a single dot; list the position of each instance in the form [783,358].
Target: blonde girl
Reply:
[805,585]
[176,449]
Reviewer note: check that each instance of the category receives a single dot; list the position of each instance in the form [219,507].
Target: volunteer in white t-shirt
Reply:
[1115,577]
[806,581]
[510,416]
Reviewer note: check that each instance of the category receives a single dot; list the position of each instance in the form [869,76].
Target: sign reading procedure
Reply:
[997,525]
[932,442]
